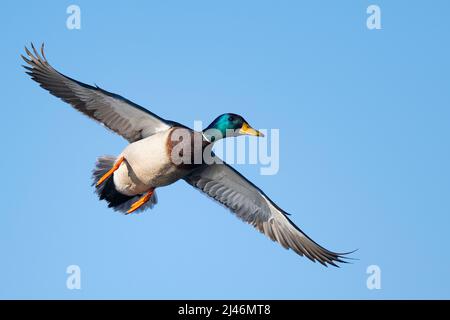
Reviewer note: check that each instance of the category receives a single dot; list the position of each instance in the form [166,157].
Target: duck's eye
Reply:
[230,118]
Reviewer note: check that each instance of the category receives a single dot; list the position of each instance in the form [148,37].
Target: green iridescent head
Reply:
[229,125]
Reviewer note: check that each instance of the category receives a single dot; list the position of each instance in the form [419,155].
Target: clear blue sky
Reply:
[364,159]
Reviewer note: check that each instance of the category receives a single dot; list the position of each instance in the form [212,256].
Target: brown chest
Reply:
[187,149]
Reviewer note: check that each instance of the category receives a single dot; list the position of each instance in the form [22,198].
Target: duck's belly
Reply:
[147,165]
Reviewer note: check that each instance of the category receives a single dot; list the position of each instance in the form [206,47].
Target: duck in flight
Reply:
[128,182]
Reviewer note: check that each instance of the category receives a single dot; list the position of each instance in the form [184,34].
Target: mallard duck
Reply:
[128,182]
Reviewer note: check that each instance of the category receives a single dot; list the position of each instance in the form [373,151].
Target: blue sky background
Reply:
[364,156]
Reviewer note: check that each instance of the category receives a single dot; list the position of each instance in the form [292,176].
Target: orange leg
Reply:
[143,200]
[111,171]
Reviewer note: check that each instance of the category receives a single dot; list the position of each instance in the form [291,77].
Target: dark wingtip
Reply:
[42,52]
[25,59]
[336,258]
[343,257]
[343,254]
[36,53]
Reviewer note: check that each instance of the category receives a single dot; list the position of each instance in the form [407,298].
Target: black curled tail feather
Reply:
[107,190]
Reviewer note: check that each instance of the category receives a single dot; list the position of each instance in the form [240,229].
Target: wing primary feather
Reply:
[136,122]
[229,188]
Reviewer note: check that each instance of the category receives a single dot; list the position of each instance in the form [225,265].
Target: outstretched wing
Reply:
[122,116]
[250,204]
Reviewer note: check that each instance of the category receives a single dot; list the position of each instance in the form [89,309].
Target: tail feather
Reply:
[107,190]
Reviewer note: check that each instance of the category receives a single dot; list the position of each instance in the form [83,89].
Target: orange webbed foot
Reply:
[111,171]
[143,200]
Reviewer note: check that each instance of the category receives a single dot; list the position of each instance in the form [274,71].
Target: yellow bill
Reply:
[246,129]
